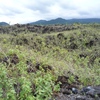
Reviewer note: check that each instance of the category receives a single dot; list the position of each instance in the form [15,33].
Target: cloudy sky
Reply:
[24,11]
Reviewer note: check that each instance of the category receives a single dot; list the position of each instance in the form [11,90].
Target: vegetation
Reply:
[32,64]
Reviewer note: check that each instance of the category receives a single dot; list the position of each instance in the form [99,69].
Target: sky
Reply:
[25,11]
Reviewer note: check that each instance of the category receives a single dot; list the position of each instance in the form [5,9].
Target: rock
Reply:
[97,90]
[6,60]
[87,93]
[94,91]
[86,89]
[61,97]
[80,98]
[91,91]
[71,91]
[74,90]
[63,79]
[14,59]
[65,91]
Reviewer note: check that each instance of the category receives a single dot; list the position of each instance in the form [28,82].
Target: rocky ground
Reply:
[86,93]
[18,28]
[73,92]
[69,86]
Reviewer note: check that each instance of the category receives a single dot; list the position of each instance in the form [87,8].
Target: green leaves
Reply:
[43,50]
[25,92]
[6,85]
[45,86]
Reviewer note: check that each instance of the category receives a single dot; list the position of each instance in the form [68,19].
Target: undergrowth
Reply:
[31,63]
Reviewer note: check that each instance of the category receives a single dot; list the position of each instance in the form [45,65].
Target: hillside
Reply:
[52,62]
[3,24]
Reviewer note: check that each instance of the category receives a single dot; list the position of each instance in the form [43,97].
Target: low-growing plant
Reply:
[45,86]
[76,51]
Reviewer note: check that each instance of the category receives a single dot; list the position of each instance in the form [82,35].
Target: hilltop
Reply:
[47,62]
[3,24]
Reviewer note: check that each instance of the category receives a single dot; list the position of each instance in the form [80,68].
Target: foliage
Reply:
[31,63]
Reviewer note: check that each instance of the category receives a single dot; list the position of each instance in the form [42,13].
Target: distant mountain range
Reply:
[3,24]
[64,21]
[61,21]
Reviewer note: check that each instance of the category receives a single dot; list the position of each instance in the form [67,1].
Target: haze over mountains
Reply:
[61,21]
[3,24]
[64,21]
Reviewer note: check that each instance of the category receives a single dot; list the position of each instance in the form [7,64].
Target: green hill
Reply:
[3,24]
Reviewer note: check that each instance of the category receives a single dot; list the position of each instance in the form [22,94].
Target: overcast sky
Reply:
[24,11]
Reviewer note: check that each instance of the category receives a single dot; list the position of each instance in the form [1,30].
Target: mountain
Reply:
[3,24]
[64,21]
[39,22]
[56,21]
[53,21]
[85,21]
[60,21]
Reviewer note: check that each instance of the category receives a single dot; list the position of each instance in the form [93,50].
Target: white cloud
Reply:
[24,11]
